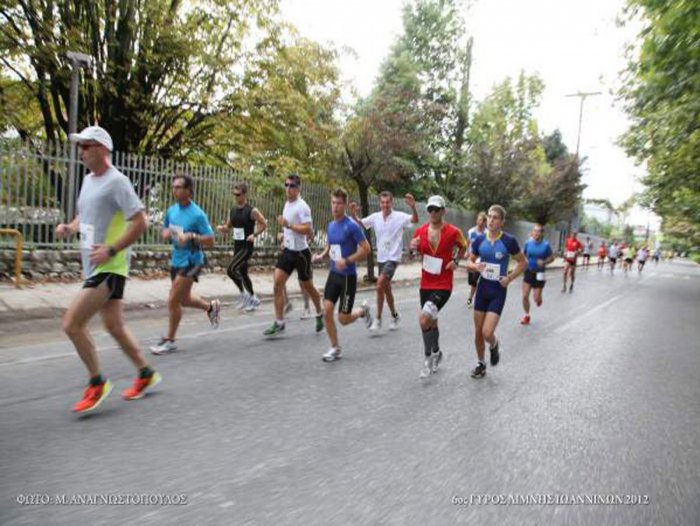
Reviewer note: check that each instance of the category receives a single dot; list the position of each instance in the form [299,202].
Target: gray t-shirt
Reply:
[105,205]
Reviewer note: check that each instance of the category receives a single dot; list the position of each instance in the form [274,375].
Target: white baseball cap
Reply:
[93,133]
[437,201]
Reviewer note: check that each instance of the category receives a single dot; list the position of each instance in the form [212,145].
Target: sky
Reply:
[573,45]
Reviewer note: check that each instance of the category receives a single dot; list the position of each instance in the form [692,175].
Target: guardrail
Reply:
[19,244]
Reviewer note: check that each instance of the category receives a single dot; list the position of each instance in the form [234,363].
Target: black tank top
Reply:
[242,218]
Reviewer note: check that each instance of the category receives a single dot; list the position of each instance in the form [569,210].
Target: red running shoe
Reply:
[140,385]
[525,320]
[93,396]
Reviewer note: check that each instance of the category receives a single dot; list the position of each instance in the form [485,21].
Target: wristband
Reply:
[112,251]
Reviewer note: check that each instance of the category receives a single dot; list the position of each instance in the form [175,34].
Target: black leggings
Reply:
[238,269]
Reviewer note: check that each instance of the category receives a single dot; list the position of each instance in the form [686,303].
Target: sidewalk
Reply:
[45,300]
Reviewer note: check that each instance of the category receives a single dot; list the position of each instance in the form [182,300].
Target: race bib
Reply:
[238,234]
[432,265]
[336,253]
[570,254]
[87,236]
[492,271]
[540,276]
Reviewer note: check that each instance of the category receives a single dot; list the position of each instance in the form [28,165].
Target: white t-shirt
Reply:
[389,233]
[295,213]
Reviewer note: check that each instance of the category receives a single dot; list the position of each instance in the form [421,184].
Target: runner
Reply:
[494,249]
[587,248]
[613,254]
[642,257]
[539,254]
[627,258]
[436,240]
[572,248]
[657,255]
[110,218]
[187,227]
[474,232]
[298,224]
[346,246]
[388,225]
[243,219]
[602,252]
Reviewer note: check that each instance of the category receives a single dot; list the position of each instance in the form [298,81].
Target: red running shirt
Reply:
[451,237]
[572,245]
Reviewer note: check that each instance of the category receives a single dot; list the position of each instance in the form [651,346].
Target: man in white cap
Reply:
[110,218]
[442,245]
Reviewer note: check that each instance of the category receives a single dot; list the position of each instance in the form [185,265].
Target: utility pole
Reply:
[583,96]
[77,61]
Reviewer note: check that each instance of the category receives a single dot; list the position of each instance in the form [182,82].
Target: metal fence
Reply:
[36,194]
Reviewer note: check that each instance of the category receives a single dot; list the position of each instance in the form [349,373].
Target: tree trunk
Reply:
[364,206]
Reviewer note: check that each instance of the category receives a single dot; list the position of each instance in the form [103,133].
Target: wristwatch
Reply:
[112,251]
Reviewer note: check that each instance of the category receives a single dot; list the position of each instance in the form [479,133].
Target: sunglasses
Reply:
[291,185]
[433,209]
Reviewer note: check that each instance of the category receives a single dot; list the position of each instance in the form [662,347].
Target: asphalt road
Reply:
[596,402]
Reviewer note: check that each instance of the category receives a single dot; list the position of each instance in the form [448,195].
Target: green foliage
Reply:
[662,97]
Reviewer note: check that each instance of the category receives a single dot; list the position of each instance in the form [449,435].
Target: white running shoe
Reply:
[253,304]
[306,314]
[165,346]
[244,301]
[214,314]
[333,354]
[437,358]
[394,323]
[376,325]
[427,367]
[367,314]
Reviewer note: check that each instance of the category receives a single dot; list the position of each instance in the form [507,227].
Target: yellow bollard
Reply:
[19,244]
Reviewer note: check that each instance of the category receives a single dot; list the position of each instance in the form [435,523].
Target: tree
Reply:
[554,191]
[161,67]
[505,151]
[661,94]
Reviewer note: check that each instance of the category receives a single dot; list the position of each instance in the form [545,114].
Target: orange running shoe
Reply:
[93,396]
[140,385]
[525,320]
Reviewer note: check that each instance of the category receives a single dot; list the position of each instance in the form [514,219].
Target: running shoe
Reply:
[333,354]
[274,329]
[140,386]
[495,355]
[394,323]
[427,367]
[437,358]
[214,313]
[253,304]
[306,314]
[571,288]
[93,397]
[563,289]
[525,320]
[376,325]
[245,300]
[319,322]
[240,300]
[165,346]
[367,314]
[479,371]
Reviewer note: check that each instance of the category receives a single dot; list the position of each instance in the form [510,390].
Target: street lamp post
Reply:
[583,96]
[77,61]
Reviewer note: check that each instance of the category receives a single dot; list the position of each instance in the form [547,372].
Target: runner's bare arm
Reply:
[137,226]
[411,203]
[67,229]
